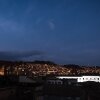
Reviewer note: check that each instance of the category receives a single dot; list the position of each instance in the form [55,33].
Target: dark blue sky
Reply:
[63,31]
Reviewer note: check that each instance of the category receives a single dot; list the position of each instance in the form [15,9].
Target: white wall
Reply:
[81,78]
[89,78]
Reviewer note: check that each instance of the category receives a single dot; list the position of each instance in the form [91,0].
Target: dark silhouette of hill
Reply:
[2,62]
[44,62]
[72,66]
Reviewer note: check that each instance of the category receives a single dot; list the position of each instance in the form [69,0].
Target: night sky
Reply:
[63,31]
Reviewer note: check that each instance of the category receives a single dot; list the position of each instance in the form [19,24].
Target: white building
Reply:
[81,78]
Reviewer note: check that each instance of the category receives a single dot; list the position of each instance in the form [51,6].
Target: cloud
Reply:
[39,20]
[51,25]
[13,56]
[10,26]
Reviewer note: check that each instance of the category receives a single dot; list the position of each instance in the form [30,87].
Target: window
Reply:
[86,78]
